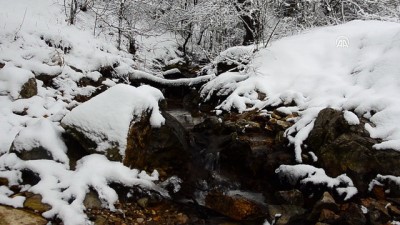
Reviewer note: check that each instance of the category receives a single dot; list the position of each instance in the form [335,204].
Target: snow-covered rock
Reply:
[306,174]
[103,123]
[17,82]
[41,140]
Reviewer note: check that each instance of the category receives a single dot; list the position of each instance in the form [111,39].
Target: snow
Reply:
[351,118]
[306,174]
[65,190]
[115,109]
[17,201]
[312,72]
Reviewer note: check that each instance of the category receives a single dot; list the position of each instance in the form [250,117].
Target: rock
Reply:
[182,218]
[326,202]
[378,210]
[379,192]
[3,181]
[30,144]
[140,220]
[17,82]
[328,216]
[34,203]
[277,125]
[143,202]
[164,148]
[287,213]
[235,207]
[119,138]
[2,65]
[351,214]
[29,89]
[11,216]
[92,200]
[292,197]
[342,148]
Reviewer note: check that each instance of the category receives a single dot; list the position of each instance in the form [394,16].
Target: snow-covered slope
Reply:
[351,67]
[35,41]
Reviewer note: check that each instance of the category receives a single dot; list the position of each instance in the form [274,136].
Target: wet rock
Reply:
[292,197]
[284,214]
[378,210]
[29,89]
[34,203]
[351,214]
[327,202]
[235,207]
[277,125]
[11,216]
[328,216]
[342,148]
[164,148]
[379,192]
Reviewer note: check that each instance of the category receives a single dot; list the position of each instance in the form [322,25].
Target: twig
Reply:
[20,26]
[272,33]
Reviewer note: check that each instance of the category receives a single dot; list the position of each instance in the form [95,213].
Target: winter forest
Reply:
[199,112]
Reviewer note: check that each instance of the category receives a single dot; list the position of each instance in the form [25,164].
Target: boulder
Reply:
[11,216]
[236,207]
[129,127]
[343,148]
[104,123]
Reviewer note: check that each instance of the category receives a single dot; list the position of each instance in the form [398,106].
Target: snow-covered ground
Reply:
[35,40]
[352,67]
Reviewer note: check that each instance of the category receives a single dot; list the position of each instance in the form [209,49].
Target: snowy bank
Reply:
[351,67]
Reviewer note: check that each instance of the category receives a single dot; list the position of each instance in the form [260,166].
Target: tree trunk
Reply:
[250,23]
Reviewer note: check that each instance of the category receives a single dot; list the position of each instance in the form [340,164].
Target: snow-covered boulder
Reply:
[41,140]
[343,146]
[17,82]
[104,124]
